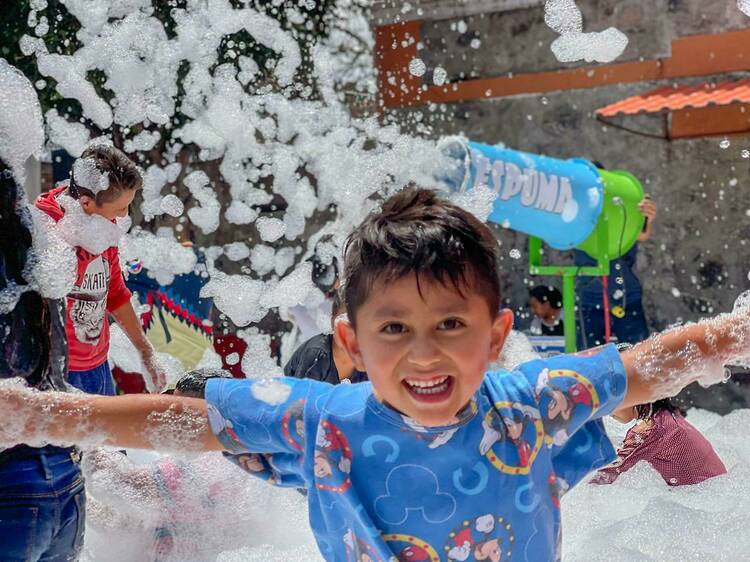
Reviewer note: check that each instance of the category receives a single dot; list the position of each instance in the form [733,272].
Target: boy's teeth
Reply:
[426,384]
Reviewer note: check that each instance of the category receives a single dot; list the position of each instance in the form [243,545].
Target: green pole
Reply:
[569,311]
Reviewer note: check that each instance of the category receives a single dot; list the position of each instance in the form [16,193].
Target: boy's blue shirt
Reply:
[382,488]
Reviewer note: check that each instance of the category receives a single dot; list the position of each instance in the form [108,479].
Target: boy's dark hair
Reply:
[416,231]
[545,293]
[121,171]
[193,383]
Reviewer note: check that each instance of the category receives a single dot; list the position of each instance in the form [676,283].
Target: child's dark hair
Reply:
[121,171]
[193,383]
[545,293]
[416,231]
[337,306]
[645,411]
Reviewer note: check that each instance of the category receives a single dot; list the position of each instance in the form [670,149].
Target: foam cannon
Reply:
[564,203]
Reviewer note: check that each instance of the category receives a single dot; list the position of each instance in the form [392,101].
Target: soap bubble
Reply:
[417,67]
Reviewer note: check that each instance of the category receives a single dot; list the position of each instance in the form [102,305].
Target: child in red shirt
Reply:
[102,185]
[668,442]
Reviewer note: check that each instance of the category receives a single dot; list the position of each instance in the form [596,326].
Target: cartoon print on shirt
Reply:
[409,548]
[434,440]
[563,399]
[446,497]
[224,430]
[487,537]
[333,459]
[87,302]
[358,550]
[557,488]
[517,425]
[293,425]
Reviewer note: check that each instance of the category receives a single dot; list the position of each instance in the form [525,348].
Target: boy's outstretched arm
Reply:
[664,364]
[160,422]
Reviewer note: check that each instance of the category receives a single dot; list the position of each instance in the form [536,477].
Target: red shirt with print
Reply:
[99,288]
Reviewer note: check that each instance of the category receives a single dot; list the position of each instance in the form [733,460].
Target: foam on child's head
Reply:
[416,231]
[103,172]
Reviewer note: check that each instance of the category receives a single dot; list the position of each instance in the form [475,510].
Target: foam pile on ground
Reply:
[220,509]
[640,518]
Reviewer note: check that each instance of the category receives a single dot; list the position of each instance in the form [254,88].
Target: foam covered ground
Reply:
[639,518]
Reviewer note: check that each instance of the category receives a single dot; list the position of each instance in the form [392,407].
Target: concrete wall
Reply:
[698,260]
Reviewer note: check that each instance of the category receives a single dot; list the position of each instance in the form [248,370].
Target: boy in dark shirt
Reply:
[323,358]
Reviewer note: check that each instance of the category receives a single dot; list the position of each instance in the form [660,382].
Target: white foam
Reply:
[88,175]
[53,261]
[92,232]
[641,518]
[271,391]
[21,132]
[72,137]
[270,229]
[237,296]
[161,254]
[564,17]
[257,361]
[206,214]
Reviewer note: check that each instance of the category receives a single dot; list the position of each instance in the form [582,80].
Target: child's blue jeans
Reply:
[42,505]
[94,381]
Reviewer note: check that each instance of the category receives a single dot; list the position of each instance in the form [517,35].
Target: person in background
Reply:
[325,276]
[42,497]
[323,357]
[546,304]
[627,319]
[668,442]
[103,182]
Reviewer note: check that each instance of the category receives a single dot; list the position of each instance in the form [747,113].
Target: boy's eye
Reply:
[393,328]
[450,324]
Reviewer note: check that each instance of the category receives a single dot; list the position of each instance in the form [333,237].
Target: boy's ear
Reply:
[344,334]
[87,204]
[501,327]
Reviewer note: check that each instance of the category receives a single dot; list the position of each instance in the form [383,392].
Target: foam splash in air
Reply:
[564,17]
[21,133]
[92,232]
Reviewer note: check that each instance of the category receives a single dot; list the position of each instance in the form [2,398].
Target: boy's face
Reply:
[425,354]
[111,210]
[540,309]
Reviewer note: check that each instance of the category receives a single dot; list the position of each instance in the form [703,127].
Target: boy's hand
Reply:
[156,371]
[648,208]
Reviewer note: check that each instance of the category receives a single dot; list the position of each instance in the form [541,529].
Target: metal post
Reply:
[569,311]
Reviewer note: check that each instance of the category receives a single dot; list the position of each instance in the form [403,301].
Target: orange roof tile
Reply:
[669,98]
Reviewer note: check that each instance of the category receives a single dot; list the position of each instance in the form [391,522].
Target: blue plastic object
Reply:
[559,201]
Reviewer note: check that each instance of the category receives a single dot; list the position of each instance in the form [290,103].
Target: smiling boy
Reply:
[405,464]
